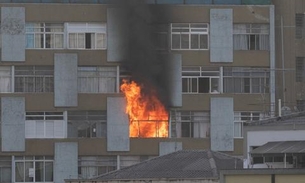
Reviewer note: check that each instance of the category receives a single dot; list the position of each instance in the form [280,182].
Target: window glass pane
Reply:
[48,171]
[19,171]
[176,41]
[194,85]
[186,129]
[194,41]
[28,176]
[39,171]
[185,41]
[203,41]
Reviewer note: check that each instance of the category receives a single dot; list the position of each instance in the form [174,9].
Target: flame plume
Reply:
[147,115]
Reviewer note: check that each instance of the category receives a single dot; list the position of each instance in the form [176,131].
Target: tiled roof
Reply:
[181,164]
[280,147]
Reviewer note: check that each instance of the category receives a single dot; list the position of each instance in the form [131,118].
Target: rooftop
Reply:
[186,164]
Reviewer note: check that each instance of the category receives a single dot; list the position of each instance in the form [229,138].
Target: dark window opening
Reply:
[88,40]
[204,85]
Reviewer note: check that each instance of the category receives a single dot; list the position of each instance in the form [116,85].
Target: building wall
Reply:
[263,175]
[56,101]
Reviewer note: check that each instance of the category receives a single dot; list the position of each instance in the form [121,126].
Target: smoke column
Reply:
[143,61]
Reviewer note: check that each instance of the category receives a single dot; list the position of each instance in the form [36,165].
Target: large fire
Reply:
[147,115]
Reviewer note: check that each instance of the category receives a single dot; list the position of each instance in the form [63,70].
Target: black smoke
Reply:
[144,61]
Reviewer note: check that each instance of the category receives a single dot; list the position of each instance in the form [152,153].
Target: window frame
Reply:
[250,32]
[34,73]
[192,120]
[187,29]
[241,74]
[43,32]
[99,73]
[87,28]
[55,120]
[33,160]
[195,73]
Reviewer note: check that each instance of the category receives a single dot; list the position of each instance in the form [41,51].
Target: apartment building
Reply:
[211,63]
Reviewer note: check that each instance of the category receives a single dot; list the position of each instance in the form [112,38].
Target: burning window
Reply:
[147,115]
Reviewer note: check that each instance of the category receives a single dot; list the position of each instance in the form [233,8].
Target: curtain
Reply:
[240,38]
[228,85]
[19,172]
[263,42]
[201,124]
[5,79]
[92,41]
[97,80]
[100,40]
[57,37]
[38,40]
[81,40]
[72,40]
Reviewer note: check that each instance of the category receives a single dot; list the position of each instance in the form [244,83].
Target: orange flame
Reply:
[147,115]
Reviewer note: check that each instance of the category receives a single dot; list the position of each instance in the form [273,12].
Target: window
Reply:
[5,169]
[33,169]
[200,79]
[87,124]
[45,125]
[299,26]
[5,79]
[34,79]
[245,80]
[193,36]
[91,166]
[86,35]
[299,69]
[240,118]
[190,124]
[251,36]
[301,105]
[44,35]
[161,36]
[97,79]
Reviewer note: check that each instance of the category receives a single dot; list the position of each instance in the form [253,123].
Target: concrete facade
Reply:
[222,117]
[13,34]
[169,147]
[191,107]
[117,125]
[66,161]
[12,127]
[65,80]
[221,35]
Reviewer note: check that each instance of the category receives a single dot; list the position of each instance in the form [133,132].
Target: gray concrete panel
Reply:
[117,125]
[65,161]
[117,42]
[13,33]
[221,35]
[222,124]
[65,80]
[174,71]
[13,123]
[169,147]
